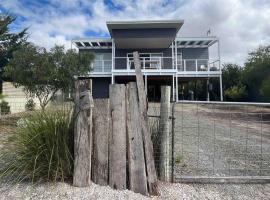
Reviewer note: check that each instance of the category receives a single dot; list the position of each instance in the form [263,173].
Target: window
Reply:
[149,60]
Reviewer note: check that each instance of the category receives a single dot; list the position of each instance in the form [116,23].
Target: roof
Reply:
[182,42]
[177,24]
[195,42]
[93,43]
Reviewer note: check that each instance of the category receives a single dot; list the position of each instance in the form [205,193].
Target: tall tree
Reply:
[9,42]
[42,73]
[256,74]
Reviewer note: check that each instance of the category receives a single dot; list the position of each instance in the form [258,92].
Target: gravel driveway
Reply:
[168,191]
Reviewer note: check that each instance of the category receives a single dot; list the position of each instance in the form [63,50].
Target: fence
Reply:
[208,141]
[220,141]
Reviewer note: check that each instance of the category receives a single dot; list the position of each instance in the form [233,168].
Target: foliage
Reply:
[235,93]
[257,73]
[9,42]
[5,108]
[41,148]
[233,87]
[42,73]
[265,89]
[30,105]
[231,75]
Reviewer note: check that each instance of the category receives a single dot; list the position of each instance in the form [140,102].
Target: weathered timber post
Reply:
[82,133]
[148,145]
[117,140]
[101,128]
[164,131]
[136,162]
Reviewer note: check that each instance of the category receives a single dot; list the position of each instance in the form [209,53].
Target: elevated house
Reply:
[166,59]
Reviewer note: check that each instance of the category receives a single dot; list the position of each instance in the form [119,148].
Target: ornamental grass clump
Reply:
[40,149]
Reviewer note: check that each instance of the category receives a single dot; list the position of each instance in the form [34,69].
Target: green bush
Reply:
[41,149]
[236,93]
[30,105]
[5,108]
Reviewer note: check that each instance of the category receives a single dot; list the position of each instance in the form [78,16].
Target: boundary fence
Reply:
[220,142]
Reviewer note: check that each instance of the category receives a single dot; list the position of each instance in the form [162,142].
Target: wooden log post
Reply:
[82,133]
[117,139]
[148,145]
[101,128]
[164,132]
[136,161]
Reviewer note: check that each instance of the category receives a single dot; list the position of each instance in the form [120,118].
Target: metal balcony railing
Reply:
[156,64]
[197,65]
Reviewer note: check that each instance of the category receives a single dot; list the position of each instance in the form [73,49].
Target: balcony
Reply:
[157,65]
[198,65]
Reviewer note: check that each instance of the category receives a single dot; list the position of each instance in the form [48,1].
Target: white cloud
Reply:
[241,25]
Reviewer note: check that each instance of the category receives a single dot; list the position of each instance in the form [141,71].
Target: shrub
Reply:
[5,108]
[41,148]
[30,105]
[236,93]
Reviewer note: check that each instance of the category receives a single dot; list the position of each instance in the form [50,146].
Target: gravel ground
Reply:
[168,191]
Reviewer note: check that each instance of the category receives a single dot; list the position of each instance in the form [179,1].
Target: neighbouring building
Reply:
[166,59]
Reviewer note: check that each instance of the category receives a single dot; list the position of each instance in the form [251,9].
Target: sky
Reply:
[241,25]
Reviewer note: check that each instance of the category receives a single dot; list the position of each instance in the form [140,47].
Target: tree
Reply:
[265,89]
[234,89]
[9,42]
[256,74]
[231,75]
[42,73]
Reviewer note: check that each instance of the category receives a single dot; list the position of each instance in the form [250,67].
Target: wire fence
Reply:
[214,141]
[221,141]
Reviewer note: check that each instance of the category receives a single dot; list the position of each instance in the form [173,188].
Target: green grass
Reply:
[40,149]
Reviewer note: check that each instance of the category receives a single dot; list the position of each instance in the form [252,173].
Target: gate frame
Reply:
[213,179]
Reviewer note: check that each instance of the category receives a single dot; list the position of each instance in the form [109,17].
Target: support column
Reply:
[113,59]
[173,60]
[221,88]
[207,90]
[145,84]
[176,88]
[173,88]
[112,80]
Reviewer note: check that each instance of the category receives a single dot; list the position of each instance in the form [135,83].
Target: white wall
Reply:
[16,98]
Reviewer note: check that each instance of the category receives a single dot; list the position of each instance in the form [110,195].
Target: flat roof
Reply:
[177,24]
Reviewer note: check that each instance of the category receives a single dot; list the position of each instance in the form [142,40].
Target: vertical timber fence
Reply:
[220,142]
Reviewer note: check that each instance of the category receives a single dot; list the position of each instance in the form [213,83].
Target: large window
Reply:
[148,60]
[103,62]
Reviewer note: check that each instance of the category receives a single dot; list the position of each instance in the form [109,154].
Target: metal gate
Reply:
[220,141]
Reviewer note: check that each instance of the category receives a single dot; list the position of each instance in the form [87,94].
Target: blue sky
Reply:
[241,25]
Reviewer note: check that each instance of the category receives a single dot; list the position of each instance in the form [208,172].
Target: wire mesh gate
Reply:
[220,141]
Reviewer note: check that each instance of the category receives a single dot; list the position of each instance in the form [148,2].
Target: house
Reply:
[166,59]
